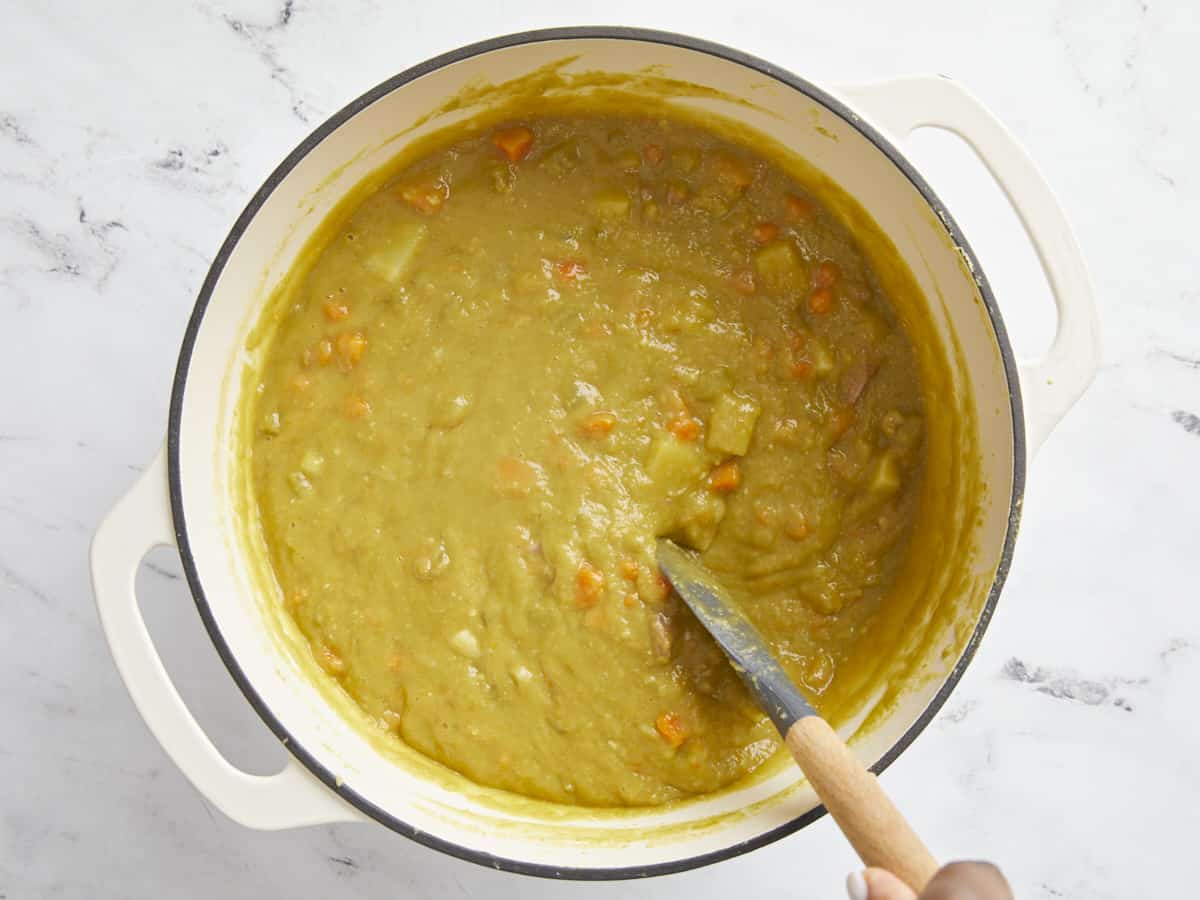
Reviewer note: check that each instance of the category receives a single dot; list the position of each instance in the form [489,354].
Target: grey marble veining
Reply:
[131,136]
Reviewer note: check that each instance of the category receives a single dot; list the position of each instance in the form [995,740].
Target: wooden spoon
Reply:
[866,815]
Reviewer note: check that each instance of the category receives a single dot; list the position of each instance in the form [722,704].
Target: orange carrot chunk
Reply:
[684,427]
[589,585]
[765,232]
[350,345]
[571,269]
[801,369]
[426,196]
[515,142]
[725,478]
[671,728]
[798,208]
[598,424]
[828,274]
[324,351]
[743,282]
[336,310]
[355,406]
[820,301]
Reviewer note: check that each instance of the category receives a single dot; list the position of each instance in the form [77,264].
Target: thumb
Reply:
[877,884]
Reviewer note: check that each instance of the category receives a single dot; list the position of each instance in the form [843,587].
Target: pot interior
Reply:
[973,476]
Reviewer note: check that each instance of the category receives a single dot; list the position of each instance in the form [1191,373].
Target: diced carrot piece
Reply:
[336,310]
[630,600]
[589,585]
[798,208]
[515,476]
[765,232]
[598,424]
[796,527]
[571,269]
[733,172]
[425,196]
[828,274]
[671,728]
[350,345]
[324,351]
[743,282]
[653,154]
[684,427]
[655,588]
[841,421]
[820,301]
[630,569]
[355,406]
[725,478]
[801,369]
[515,142]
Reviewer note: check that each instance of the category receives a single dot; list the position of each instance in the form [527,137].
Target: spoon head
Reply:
[752,659]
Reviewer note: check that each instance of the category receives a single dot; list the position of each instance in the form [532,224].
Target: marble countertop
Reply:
[131,135]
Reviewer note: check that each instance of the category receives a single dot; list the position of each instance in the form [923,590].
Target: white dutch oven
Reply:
[334,773]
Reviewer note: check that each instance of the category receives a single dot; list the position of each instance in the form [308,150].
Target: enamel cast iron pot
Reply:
[336,774]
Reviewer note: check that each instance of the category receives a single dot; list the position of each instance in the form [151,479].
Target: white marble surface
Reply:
[131,134]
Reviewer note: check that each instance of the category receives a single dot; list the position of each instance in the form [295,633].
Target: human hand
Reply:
[957,881]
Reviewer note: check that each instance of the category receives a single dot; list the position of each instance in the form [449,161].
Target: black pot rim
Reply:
[306,758]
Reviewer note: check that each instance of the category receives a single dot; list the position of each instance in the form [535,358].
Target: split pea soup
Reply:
[526,357]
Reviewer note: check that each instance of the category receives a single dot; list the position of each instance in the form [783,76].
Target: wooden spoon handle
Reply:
[875,828]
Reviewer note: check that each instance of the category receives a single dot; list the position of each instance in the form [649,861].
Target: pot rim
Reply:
[640,35]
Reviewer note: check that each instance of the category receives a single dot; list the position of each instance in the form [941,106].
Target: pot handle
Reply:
[140,521]
[1050,385]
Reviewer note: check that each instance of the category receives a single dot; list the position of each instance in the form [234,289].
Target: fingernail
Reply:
[856,886]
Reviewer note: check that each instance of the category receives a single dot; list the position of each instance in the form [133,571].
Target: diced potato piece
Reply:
[311,463]
[450,412]
[466,643]
[393,259]
[731,425]
[611,204]
[675,464]
[701,513]
[562,157]
[503,176]
[652,585]
[886,478]
[779,265]
[713,202]
[299,483]
[821,358]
